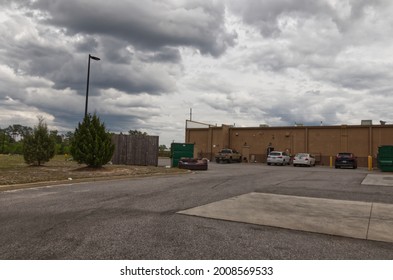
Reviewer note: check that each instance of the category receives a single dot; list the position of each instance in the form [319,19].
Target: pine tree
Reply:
[91,143]
[38,146]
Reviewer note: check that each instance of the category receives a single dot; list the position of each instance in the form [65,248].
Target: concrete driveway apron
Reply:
[364,220]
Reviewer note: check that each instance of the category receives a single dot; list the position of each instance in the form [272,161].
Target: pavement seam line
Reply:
[221,183]
[369,219]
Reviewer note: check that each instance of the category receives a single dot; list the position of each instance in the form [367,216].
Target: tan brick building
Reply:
[322,141]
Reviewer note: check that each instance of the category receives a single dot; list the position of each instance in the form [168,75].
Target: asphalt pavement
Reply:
[139,218]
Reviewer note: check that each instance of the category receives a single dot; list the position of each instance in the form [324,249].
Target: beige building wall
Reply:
[323,141]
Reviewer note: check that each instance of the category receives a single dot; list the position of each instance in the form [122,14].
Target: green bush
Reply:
[91,143]
[38,146]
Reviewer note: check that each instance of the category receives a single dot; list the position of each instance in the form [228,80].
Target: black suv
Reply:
[346,160]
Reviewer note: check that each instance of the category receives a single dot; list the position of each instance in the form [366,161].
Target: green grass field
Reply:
[13,161]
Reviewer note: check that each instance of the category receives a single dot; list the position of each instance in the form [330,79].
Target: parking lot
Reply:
[144,218]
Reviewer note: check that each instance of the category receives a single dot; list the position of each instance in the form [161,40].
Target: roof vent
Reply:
[367,122]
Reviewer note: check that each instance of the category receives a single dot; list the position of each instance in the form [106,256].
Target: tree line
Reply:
[11,139]
[90,143]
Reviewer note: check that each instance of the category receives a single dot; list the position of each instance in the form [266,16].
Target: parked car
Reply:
[193,164]
[346,160]
[304,159]
[279,158]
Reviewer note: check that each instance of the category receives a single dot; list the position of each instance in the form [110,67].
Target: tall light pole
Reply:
[88,77]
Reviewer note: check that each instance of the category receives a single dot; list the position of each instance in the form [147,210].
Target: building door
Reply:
[246,154]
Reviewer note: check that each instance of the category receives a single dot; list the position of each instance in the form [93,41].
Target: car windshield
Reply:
[275,154]
[301,155]
[345,155]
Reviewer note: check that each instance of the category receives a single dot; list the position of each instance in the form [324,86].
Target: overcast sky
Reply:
[275,62]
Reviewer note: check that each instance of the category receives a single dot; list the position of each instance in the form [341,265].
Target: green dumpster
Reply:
[181,150]
[385,158]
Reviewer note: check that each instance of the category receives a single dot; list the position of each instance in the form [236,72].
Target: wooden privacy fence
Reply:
[135,150]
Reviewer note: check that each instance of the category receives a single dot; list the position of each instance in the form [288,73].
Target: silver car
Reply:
[304,159]
[279,158]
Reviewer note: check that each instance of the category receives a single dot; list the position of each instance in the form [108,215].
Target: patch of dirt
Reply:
[61,170]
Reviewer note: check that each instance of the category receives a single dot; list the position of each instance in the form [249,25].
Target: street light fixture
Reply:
[88,77]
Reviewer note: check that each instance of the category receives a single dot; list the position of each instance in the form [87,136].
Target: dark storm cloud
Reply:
[317,38]
[359,75]
[147,24]
[361,78]
[134,81]
[87,44]
[28,55]
[331,57]
[67,68]
[115,50]
[163,55]
[326,112]
[118,68]
[123,34]
[125,123]
[265,14]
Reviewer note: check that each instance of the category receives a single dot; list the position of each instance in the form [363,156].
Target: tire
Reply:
[268,163]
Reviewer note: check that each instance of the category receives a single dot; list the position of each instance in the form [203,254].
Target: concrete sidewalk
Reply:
[378,180]
[365,220]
